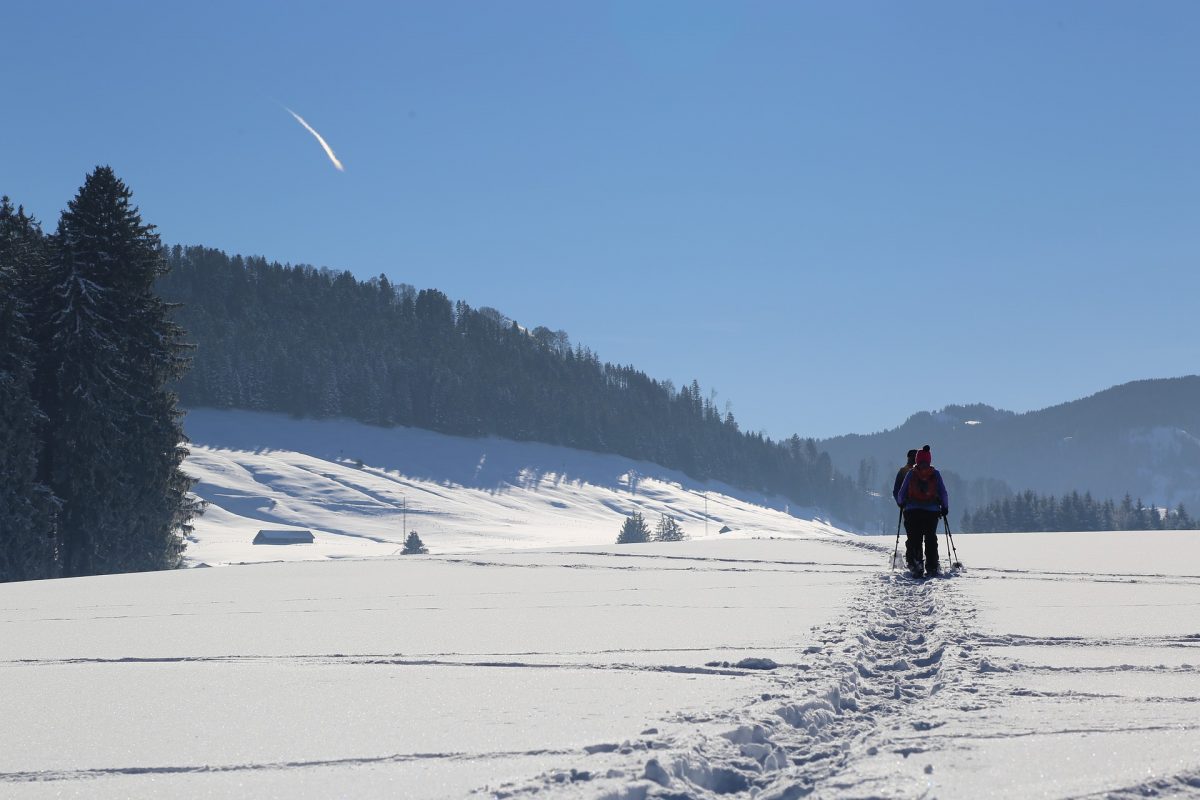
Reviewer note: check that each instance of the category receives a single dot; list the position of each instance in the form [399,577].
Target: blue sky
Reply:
[833,214]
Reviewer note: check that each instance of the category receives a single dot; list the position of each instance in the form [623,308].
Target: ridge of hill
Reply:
[322,344]
[1141,438]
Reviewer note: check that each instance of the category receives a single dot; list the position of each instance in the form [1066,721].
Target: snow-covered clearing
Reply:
[352,484]
[1055,665]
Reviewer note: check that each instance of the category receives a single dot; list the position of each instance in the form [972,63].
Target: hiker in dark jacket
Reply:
[912,459]
[922,495]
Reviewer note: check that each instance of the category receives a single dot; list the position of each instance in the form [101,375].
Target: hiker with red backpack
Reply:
[923,499]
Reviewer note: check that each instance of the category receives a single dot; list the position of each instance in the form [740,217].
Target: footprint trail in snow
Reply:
[887,670]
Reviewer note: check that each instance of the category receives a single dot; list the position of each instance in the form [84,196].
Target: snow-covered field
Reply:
[783,661]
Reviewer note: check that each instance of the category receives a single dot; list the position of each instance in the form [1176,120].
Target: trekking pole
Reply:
[951,550]
[896,552]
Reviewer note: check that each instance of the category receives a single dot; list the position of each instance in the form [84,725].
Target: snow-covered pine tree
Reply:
[115,443]
[413,546]
[27,547]
[634,530]
[668,530]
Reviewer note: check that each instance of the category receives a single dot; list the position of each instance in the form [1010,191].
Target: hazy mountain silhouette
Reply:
[1141,437]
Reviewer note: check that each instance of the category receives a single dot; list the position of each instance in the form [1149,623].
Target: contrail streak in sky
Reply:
[324,144]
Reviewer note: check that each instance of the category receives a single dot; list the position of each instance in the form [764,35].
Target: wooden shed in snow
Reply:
[273,536]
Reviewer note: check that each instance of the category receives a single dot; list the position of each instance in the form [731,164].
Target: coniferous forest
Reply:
[312,342]
[90,438]
[1029,511]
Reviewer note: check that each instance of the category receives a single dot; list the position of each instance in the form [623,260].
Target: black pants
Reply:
[921,525]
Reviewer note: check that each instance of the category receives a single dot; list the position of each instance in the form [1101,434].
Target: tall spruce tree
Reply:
[27,546]
[114,444]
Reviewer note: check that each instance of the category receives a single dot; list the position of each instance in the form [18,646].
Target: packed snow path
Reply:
[907,695]
[876,682]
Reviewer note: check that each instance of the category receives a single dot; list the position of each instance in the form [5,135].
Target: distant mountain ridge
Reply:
[1141,437]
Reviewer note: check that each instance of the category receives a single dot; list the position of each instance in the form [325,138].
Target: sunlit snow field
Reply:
[528,656]
[352,485]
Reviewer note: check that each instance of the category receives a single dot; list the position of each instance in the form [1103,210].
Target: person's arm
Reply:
[943,495]
[900,473]
[903,490]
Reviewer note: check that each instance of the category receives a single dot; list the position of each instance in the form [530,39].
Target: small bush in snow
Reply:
[634,530]
[413,546]
[668,530]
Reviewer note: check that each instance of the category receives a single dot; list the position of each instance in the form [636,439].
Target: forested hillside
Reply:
[318,343]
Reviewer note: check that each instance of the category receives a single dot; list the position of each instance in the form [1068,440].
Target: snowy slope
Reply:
[349,484]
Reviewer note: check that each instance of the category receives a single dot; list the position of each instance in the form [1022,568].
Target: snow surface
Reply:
[794,664]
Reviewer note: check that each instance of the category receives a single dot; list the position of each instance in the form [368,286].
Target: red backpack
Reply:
[923,485]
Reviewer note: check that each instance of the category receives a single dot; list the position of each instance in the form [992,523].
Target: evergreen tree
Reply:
[1125,514]
[27,545]
[114,443]
[634,530]
[413,546]
[668,530]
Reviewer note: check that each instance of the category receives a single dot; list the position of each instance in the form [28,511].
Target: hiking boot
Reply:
[932,571]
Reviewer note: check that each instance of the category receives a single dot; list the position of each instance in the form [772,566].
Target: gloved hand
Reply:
[945,511]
